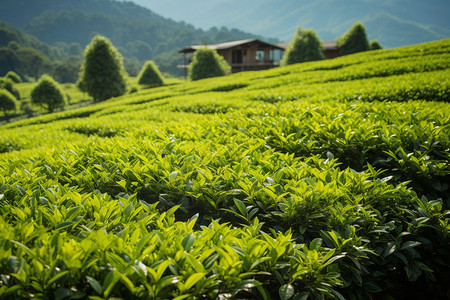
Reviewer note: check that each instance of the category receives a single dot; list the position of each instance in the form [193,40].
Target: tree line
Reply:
[138,33]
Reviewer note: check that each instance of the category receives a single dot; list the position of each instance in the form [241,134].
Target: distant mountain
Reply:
[392,22]
[139,33]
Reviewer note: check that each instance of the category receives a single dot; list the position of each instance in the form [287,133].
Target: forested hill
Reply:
[138,32]
[392,22]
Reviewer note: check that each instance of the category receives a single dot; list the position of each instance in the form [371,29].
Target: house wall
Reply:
[249,61]
[248,55]
[331,53]
[226,54]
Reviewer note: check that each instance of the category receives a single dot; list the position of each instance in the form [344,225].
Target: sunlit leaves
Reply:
[293,184]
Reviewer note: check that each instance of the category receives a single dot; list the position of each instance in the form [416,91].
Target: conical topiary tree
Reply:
[208,63]
[48,94]
[7,102]
[150,75]
[354,40]
[375,45]
[305,46]
[102,73]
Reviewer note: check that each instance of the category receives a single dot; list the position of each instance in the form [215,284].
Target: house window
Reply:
[259,55]
[236,56]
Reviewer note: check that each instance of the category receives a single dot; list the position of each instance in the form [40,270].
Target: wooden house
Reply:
[330,49]
[243,55]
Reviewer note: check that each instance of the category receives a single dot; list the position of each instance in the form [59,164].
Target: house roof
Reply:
[330,45]
[229,45]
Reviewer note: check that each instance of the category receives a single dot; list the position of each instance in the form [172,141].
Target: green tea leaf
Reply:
[286,292]
[57,276]
[14,264]
[241,206]
[188,241]
[64,224]
[315,244]
[95,285]
[173,175]
[371,287]
[410,244]
[193,279]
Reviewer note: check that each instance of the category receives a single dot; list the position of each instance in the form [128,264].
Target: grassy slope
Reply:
[352,151]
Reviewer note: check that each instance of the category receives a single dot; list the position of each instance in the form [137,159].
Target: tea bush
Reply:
[48,94]
[317,180]
[13,76]
[7,102]
[150,75]
[207,63]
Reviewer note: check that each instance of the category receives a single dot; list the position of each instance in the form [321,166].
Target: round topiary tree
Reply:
[354,40]
[150,75]
[13,76]
[305,46]
[102,73]
[208,63]
[7,102]
[375,45]
[7,84]
[48,94]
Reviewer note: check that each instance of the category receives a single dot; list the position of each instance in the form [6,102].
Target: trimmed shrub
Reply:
[48,94]
[7,102]
[208,63]
[14,77]
[150,75]
[7,84]
[354,40]
[305,46]
[102,73]
[375,45]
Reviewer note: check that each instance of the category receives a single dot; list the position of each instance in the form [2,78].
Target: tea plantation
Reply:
[312,181]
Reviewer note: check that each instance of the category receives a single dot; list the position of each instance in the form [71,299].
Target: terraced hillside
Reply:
[318,180]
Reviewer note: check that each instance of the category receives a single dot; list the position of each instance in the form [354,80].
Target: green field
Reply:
[318,180]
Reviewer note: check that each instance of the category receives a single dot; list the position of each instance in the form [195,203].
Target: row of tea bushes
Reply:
[283,184]
[238,183]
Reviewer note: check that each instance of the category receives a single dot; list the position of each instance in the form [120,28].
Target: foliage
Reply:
[136,31]
[102,73]
[375,45]
[7,102]
[66,72]
[354,40]
[324,179]
[32,62]
[208,63]
[27,56]
[8,84]
[13,38]
[13,76]
[305,46]
[150,75]
[8,61]
[48,94]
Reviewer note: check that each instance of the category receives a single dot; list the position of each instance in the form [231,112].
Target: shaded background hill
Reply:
[392,22]
[137,32]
